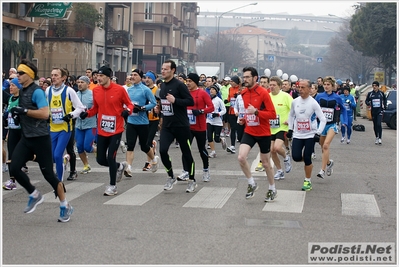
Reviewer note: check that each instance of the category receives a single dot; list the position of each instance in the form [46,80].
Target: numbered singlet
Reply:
[232,101]
[275,123]
[57,111]
[108,123]
[167,108]
[303,125]
[11,123]
[251,119]
[191,118]
[376,103]
[328,113]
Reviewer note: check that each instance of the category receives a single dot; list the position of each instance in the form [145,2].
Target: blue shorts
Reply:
[328,127]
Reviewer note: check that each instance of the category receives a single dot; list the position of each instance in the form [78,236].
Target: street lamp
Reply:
[218,25]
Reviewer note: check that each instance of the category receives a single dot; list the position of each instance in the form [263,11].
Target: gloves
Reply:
[215,114]
[197,112]
[83,115]
[125,114]
[67,118]
[289,134]
[16,119]
[316,138]
[19,110]
[137,108]
[235,95]
[226,101]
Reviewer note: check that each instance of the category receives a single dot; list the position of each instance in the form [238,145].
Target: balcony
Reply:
[155,19]
[66,32]
[119,38]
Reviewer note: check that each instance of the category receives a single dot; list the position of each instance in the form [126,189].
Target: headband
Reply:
[27,70]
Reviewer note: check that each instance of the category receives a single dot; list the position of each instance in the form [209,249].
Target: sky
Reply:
[318,8]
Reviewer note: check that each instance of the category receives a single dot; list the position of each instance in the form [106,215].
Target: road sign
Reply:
[270,58]
[360,76]
[49,10]
[319,59]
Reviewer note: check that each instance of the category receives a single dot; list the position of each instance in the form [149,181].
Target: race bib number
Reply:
[167,108]
[11,123]
[252,120]
[134,114]
[347,106]
[208,116]
[191,118]
[232,101]
[328,113]
[303,125]
[376,103]
[275,123]
[56,115]
[108,123]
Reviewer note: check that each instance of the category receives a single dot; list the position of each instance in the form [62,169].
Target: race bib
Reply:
[328,113]
[108,123]
[134,104]
[191,118]
[56,115]
[167,108]
[275,123]
[303,125]
[376,103]
[11,123]
[347,106]
[208,116]
[232,101]
[252,120]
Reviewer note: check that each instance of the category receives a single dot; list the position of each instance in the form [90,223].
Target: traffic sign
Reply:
[270,58]
[319,59]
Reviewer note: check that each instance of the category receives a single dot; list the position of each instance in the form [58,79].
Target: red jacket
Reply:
[108,105]
[233,92]
[258,97]
[201,101]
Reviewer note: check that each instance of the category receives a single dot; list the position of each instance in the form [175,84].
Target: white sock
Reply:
[307,179]
[272,187]
[64,203]
[251,181]
[35,193]
[206,170]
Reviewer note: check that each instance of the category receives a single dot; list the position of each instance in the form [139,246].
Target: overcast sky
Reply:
[318,8]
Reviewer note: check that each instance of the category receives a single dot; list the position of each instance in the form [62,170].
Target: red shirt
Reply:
[108,105]
[201,101]
[258,97]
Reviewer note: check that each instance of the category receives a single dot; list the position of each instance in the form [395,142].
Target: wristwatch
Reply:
[256,112]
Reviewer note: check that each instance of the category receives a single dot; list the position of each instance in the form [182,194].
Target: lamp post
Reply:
[218,26]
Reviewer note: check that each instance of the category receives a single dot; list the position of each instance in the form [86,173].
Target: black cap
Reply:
[235,79]
[182,75]
[107,71]
[194,77]
[139,72]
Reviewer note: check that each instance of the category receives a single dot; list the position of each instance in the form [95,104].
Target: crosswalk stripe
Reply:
[287,201]
[74,190]
[137,196]
[359,205]
[210,197]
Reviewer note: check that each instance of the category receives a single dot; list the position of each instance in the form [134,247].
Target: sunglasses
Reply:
[20,73]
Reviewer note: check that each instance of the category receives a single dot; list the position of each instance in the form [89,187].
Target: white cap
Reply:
[227,78]
[350,83]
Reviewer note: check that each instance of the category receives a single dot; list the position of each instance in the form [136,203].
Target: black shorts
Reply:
[263,142]
[279,135]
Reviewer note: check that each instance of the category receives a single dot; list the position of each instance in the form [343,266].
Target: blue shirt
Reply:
[141,95]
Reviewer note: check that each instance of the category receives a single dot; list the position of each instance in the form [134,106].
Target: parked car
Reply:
[389,116]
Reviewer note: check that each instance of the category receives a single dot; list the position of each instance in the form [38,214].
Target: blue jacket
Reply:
[86,97]
[141,95]
[349,104]
[329,104]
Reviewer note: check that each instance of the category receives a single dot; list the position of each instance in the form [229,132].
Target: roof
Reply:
[250,30]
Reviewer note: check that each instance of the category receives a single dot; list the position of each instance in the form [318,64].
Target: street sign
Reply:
[319,59]
[49,10]
[270,58]
[360,76]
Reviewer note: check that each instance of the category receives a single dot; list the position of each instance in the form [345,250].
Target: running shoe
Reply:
[279,175]
[128,171]
[251,191]
[86,169]
[65,213]
[348,141]
[169,183]
[147,167]
[183,176]
[206,177]
[72,176]
[342,139]
[321,174]
[287,164]
[191,187]
[154,164]
[120,172]
[379,141]
[270,195]
[260,167]
[65,162]
[223,141]
[231,149]
[33,202]
[227,133]
[177,145]
[10,185]
[313,155]
[123,147]
[212,154]
[5,167]
[376,141]
[330,170]
[110,190]
[307,186]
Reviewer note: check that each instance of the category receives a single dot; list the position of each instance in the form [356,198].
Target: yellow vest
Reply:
[58,110]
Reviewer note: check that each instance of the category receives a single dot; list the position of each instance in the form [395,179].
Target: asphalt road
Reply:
[216,225]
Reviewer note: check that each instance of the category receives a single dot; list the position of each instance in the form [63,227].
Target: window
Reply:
[23,36]
[148,42]
[148,9]
[118,25]
[23,9]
